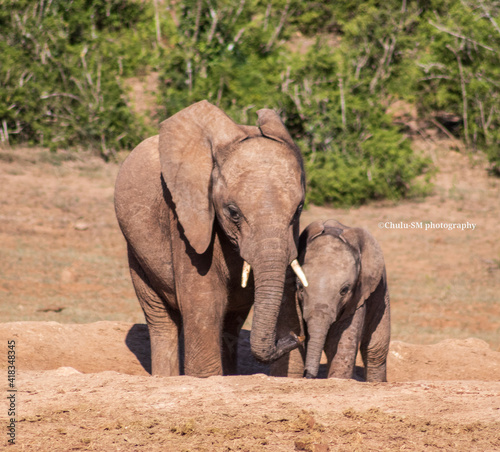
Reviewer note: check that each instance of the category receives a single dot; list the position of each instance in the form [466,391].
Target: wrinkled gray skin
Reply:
[346,304]
[192,203]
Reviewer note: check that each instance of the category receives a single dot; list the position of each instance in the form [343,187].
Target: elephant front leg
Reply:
[342,344]
[203,325]
[164,351]
[376,339]
[233,322]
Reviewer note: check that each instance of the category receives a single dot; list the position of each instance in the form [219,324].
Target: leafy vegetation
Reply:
[330,68]
[460,71]
[63,69]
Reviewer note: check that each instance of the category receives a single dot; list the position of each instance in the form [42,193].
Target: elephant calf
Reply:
[346,303]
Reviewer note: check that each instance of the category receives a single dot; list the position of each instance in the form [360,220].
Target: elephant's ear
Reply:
[251,131]
[272,127]
[334,228]
[371,260]
[315,229]
[188,141]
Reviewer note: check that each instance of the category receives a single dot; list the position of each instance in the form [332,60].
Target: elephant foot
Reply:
[309,375]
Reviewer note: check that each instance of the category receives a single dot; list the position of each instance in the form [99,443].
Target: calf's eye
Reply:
[344,290]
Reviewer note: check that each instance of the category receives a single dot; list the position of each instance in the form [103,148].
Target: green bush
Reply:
[63,69]
[225,52]
[235,58]
[459,72]
[329,68]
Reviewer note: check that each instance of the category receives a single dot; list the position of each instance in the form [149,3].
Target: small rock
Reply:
[67,276]
[51,309]
[81,226]
[64,371]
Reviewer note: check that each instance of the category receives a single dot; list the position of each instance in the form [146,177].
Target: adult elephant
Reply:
[198,203]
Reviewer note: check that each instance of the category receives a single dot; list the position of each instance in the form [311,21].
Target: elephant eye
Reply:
[344,290]
[300,290]
[298,211]
[233,212]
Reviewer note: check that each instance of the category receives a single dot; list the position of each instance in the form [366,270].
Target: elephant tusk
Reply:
[299,272]
[245,273]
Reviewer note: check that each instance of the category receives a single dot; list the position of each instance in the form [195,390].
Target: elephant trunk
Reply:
[315,345]
[269,275]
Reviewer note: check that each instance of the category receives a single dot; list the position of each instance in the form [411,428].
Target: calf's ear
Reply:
[315,229]
[371,261]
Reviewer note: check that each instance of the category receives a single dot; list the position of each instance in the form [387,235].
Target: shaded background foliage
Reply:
[62,71]
[330,68]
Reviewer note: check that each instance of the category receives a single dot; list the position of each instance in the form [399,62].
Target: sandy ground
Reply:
[87,387]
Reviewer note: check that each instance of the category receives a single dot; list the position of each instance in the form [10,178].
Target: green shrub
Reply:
[329,68]
[62,72]
[233,57]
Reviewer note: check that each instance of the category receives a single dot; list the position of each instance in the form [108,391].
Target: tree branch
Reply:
[488,15]
[342,102]
[213,26]
[72,96]
[456,35]
[464,94]
[277,31]
[197,21]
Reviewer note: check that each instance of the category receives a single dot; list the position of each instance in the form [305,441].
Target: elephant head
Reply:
[344,266]
[247,183]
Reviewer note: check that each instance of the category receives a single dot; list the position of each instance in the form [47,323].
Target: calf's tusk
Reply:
[245,273]
[299,272]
